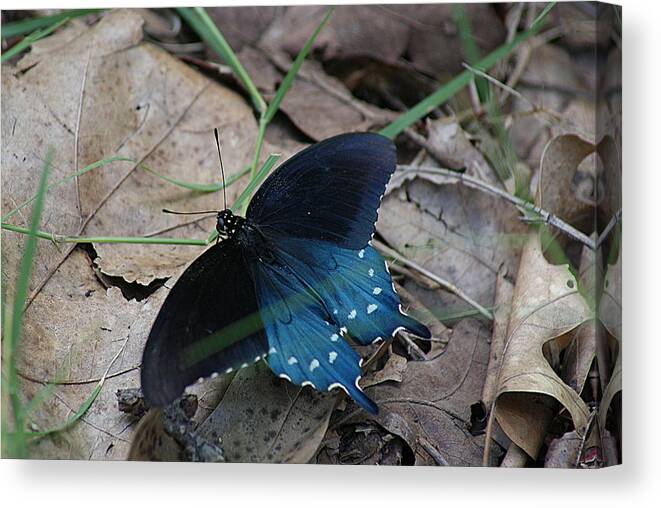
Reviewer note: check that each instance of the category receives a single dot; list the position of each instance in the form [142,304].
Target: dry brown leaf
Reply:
[503,304]
[430,408]
[353,30]
[153,108]
[262,418]
[65,345]
[610,314]
[244,26]
[463,235]
[552,82]
[546,305]
[393,370]
[435,46]
[560,168]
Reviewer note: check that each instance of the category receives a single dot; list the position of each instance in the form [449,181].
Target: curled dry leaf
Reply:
[610,314]
[262,418]
[546,305]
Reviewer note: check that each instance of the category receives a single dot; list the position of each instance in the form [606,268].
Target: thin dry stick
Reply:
[499,84]
[475,183]
[432,276]
[432,451]
[588,428]
[412,347]
[611,224]
[77,133]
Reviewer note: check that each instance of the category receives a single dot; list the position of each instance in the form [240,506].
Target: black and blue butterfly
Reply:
[290,281]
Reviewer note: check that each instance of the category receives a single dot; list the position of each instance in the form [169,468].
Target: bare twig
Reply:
[432,276]
[432,451]
[544,216]
[77,133]
[412,347]
[611,224]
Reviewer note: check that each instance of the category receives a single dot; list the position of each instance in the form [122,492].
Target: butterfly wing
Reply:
[304,346]
[330,191]
[209,323]
[354,286]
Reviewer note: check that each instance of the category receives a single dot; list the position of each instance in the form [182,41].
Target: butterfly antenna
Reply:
[222,170]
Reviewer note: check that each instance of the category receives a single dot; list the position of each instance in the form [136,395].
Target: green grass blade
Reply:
[84,407]
[470,49]
[12,339]
[293,70]
[31,39]
[200,187]
[448,90]
[542,15]
[25,26]
[53,237]
[254,183]
[200,21]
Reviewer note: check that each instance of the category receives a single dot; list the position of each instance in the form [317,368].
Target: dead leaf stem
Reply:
[76,136]
[474,183]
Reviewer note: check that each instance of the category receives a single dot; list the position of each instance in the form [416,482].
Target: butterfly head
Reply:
[227,223]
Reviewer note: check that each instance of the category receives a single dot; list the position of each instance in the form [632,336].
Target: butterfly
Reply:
[290,281]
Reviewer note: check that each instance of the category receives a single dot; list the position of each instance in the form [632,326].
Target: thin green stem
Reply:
[200,21]
[453,86]
[56,238]
[22,284]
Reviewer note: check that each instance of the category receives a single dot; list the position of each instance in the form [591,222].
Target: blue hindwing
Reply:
[304,346]
[354,286]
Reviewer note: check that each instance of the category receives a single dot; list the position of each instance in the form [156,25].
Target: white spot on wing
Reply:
[376,291]
[331,356]
[352,314]
[371,308]
[314,364]
[334,337]
[370,272]
[361,253]
[272,351]
[292,360]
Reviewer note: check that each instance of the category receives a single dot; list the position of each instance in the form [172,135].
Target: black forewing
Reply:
[330,191]
[213,301]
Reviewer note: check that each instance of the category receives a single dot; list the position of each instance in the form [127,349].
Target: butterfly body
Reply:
[290,281]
